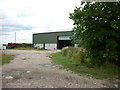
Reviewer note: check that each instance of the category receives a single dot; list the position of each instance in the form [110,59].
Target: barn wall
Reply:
[49,37]
[47,46]
[76,45]
[50,46]
[52,40]
[38,45]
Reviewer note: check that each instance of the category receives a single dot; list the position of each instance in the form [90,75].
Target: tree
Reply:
[97,26]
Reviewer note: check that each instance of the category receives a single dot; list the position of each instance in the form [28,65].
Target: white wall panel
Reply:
[76,45]
[50,46]
[38,45]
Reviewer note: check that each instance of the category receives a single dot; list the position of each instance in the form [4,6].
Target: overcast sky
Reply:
[26,17]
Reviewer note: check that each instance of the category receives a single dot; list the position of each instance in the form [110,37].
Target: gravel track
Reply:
[33,69]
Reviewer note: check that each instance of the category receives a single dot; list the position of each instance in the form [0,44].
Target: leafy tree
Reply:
[97,27]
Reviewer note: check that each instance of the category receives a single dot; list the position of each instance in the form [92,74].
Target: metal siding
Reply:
[49,37]
[44,38]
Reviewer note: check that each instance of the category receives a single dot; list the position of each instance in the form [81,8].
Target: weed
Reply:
[4,58]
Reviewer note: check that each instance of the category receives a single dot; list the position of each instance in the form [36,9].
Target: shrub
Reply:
[73,53]
[96,26]
[64,51]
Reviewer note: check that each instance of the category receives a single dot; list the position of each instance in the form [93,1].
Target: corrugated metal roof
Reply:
[53,32]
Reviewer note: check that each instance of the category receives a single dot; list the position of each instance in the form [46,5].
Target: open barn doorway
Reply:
[63,41]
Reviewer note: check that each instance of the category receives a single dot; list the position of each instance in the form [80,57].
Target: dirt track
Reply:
[33,69]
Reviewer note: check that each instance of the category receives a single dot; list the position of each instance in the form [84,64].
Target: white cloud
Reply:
[43,15]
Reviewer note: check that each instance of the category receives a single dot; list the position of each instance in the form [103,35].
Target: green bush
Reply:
[96,26]
[73,53]
[79,56]
[64,52]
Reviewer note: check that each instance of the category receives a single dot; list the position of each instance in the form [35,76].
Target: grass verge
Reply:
[107,71]
[4,58]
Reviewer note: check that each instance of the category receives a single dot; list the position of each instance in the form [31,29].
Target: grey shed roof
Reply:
[49,37]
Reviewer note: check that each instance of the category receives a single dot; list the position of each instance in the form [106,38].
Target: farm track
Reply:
[34,69]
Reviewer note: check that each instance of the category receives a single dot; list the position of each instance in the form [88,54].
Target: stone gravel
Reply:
[34,69]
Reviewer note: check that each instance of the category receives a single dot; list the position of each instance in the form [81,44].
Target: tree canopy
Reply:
[97,27]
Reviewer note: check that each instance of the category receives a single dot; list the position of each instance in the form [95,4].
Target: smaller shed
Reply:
[52,40]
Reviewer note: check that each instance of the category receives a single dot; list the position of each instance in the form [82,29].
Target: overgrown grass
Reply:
[4,58]
[103,72]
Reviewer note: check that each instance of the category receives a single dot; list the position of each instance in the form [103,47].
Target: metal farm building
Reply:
[52,40]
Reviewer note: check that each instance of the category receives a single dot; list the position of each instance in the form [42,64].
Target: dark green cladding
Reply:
[50,37]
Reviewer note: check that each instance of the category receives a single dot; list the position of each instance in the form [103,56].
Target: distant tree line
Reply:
[17,45]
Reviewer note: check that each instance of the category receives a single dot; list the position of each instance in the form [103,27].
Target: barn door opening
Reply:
[63,41]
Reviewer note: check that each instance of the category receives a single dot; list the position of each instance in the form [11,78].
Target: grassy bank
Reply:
[4,58]
[104,72]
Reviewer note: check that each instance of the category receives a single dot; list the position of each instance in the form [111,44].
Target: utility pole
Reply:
[15,37]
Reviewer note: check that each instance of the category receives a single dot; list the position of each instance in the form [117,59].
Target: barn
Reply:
[52,40]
